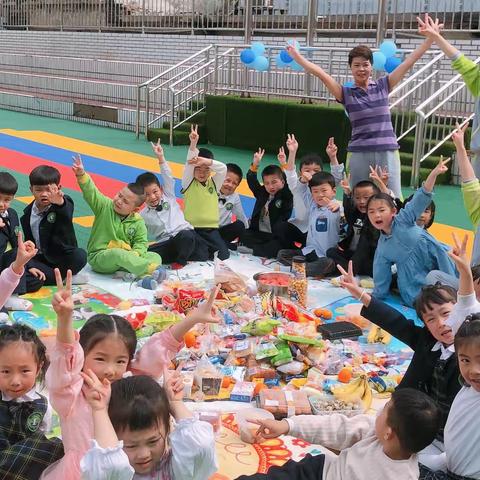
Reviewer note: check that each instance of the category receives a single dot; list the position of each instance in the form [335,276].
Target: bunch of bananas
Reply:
[378,335]
[357,390]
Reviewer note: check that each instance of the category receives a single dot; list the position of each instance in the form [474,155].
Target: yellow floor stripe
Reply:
[26,200]
[443,233]
[86,221]
[114,155]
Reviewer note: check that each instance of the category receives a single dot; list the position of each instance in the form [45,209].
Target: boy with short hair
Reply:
[294,231]
[324,225]
[174,238]
[118,240]
[229,204]
[200,190]
[274,203]
[9,228]
[48,223]
[371,448]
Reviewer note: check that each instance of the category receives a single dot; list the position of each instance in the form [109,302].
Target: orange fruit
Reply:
[190,339]
[345,375]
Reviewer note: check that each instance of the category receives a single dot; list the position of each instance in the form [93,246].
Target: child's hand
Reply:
[270,428]
[282,158]
[441,167]
[428,27]
[62,301]
[194,136]
[203,313]
[173,385]
[200,162]
[96,393]
[459,253]
[379,175]
[305,177]
[158,150]
[77,166]
[458,135]
[293,52]
[331,149]
[292,144]
[334,205]
[25,252]
[345,184]
[348,281]
[37,274]
[257,156]
[55,194]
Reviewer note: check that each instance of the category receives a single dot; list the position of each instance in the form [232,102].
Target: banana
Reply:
[351,392]
[378,335]
[367,396]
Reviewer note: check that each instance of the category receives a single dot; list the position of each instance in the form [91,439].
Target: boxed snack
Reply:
[327,404]
[207,377]
[284,403]
[242,392]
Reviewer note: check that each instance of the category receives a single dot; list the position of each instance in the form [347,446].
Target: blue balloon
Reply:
[379,60]
[258,48]
[388,48]
[278,60]
[295,66]
[392,63]
[286,58]
[294,43]
[349,84]
[260,64]
[247,56]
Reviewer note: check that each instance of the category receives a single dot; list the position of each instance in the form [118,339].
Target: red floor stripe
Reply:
[22,163]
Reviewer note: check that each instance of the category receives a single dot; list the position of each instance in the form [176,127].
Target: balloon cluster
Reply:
[254,57]
[385,58]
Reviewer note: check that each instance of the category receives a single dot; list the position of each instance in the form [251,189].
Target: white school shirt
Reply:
[361,454]
[300,212]
[165,224]
[466,305]
[193,456]
[229,205]
[323,224]
[36,217]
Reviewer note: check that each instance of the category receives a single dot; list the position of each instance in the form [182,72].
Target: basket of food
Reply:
[327,404]
[275,282]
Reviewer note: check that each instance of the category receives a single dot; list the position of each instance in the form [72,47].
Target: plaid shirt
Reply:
[25,452]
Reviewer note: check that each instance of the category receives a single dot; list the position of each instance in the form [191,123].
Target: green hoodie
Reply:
[109,229]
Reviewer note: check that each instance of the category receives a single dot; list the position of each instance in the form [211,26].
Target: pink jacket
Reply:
[8,283]
[64,384]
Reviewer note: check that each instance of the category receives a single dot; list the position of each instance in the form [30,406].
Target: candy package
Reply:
[207,377]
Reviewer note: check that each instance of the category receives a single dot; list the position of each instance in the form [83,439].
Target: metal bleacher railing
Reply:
[241,17]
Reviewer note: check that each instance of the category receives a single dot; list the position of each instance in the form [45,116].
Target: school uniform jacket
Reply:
[56,233]
[8,234]
[279,209]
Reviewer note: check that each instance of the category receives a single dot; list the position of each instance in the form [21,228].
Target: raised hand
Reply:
[292,144]
[458,135]
[441,166]
[331,149]
[77,166]
[305,177]
[293,52]
[459,252]
[62,301]
[270,428]
[158,150]
[348,281]
[257,156]
[345,184]
[96,393]
[25,252]
[194,136]
[204,313]
[428,27]
[282,158]
[173,385]
[334,205]
[200,162]
[37,273]
[55,194]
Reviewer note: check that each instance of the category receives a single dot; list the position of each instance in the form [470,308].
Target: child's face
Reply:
[5,200]
[361,69]
[312,169]
[323,194]
[108,358]
[424,218]
[41,194]
[435,319]
[469,361]
[232,181]
[381,214]
[273,184]
[202,174]
[153,195]
[361,196]
[18,368]
[125,202]
[144,448]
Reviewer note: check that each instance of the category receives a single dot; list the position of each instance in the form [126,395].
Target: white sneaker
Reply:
[16,303]
[80,278]
[245,250]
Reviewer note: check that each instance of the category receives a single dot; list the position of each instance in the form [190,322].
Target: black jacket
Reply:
[420,371]
[8,234]
[56,232]
[279,209]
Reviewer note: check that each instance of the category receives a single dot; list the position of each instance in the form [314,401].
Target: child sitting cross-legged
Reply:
[381,448]
[318,193]
[200,190]
[273,205]
[174,239]
[118,240]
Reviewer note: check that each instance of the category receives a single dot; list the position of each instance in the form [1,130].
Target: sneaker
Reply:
[80,278]
[125,276]
[148,282]
[159,274]
[245,250]
[176,266]
[16,303]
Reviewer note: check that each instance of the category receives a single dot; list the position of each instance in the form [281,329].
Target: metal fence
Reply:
[241,17]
